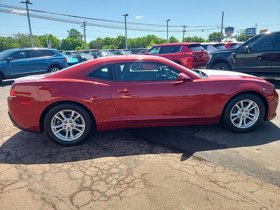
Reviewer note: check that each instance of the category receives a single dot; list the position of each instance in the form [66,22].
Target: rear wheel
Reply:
[54,68]
[221,66]
[244,113]
[67,124]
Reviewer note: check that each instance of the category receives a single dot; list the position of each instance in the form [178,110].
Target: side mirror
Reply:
[244,49]
[146,53]
[183,78]
[8,59]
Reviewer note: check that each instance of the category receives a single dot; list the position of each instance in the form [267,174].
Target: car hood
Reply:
[227,74]
[218,52]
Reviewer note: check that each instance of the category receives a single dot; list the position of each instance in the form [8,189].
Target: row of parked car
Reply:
[260,55]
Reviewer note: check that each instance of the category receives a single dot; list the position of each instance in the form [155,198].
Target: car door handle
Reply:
[123,91]
[259,58]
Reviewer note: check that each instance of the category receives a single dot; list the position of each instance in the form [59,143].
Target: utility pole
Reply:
[222,27]
[184,31]
[26,2]
[256,27]
[85,36]
[167,38]
[125,28]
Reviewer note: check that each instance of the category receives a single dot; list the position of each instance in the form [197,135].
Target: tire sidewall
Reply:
[54,66]
[55,110]
[225,65]
[226,115]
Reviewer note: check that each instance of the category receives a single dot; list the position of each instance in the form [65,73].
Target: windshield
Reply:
[106,53]
[220,47]
[234,46]
[125,52]
[6,53]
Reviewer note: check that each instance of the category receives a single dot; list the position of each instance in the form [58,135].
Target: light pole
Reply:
[184,31]
[85,36]
[167,38]
[222,27]
[125,28]
[26,2]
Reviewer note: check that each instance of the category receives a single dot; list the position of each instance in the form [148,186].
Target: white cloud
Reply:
[18,11]
[139,17]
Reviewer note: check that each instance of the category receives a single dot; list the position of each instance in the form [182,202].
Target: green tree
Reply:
[75,34]
[53,40]
[214,37]
[173,39]
[71,43]
[7,43]
[242,37]
[193,39]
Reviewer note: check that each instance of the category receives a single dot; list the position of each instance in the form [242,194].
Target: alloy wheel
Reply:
[68,125]
[244,114]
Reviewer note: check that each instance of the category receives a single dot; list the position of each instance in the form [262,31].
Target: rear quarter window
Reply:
[195,47]
[103,72]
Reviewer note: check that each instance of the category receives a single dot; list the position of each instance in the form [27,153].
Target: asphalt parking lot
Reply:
[196,167]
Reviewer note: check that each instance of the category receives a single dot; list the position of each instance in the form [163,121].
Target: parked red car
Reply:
[232,45]
[189,54]
[137,91]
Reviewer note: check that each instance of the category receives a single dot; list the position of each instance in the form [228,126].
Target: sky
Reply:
[240,14]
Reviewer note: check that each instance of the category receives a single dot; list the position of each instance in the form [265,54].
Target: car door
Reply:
[18,65]
[257,59]
[38,60]
[150,93]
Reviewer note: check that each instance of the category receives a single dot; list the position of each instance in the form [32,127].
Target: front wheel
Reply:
[221,66]
[244,113]
[67,124]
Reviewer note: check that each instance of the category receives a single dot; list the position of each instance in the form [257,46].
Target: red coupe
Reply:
[137,91]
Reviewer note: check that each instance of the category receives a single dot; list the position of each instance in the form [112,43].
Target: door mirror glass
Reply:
[183,77]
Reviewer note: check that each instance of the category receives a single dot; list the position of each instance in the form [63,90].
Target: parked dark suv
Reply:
[15,63]
[259,55]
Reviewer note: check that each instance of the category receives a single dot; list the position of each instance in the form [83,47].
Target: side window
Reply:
[264,43]
[49,53]
[19,55]
[276,42]
[154,50]
[170,49]
[103,72]
[144,71]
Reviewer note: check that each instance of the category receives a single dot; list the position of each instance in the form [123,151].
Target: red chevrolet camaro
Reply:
[137,91]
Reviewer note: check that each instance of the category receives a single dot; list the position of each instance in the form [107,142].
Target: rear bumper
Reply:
[25,116]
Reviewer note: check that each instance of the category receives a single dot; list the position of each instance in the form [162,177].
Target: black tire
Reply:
[54,68]
[226,119]
[50,115]
[221,66]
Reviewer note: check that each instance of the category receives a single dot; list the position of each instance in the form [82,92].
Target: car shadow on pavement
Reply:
[29,148]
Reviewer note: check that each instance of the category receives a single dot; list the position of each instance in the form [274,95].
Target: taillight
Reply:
[12,92]
[65,59]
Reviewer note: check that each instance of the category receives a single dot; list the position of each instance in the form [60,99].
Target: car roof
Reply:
[33,48]
[176,44]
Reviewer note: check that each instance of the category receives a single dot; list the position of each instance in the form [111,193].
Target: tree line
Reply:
[74,41]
